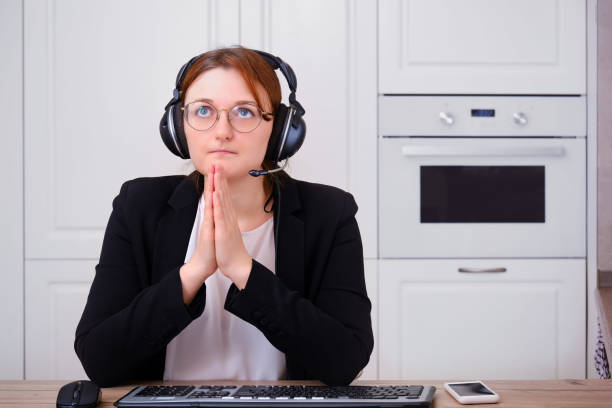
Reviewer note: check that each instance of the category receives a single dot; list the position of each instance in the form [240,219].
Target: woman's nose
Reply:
[223,128]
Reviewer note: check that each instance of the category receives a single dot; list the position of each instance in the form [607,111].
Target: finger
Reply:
[211,176]
[209,180]
[217,177]
[217,205]
[225,198]
[207,190]
[207,184]
[228,212]
[229,204]
[218,210]
[208,213]
[208,199]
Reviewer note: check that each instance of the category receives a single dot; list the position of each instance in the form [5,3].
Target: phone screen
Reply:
[470,389]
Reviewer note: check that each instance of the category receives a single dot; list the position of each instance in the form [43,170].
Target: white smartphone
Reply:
[471,392]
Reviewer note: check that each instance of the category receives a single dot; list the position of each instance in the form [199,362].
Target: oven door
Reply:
[470,197]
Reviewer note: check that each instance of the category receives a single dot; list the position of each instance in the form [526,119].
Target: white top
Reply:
[218,345]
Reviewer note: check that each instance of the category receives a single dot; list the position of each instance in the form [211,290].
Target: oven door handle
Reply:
[477,270]
[486,151]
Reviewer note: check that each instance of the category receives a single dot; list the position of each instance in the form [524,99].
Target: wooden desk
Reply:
[524,394]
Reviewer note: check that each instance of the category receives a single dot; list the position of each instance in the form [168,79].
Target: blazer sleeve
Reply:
[125,322]
[331,335]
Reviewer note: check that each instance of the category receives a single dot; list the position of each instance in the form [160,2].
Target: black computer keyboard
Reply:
[278,396]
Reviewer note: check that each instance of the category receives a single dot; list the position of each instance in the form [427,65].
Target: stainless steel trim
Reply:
[477,270]
[488,151]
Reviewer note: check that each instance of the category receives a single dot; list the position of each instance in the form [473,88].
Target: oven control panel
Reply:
[485,116]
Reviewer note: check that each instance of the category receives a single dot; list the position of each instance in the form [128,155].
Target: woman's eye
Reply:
[245,113]
[203,111]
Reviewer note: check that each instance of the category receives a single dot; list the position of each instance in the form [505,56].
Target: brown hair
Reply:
[255,70]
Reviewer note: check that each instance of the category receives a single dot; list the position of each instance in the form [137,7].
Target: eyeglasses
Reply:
[244,117]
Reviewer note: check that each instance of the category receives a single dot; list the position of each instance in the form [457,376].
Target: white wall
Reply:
[11,204]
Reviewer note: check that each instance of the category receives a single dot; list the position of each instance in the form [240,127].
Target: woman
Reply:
[221,275]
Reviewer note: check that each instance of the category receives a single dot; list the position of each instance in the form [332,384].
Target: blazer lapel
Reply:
[174,230]
[290,237]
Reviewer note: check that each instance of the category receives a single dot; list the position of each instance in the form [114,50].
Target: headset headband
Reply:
[272,60]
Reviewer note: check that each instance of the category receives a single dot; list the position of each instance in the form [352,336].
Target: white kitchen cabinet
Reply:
[482,46]
[97,78]
[371,277]
[525,323]
[56,292]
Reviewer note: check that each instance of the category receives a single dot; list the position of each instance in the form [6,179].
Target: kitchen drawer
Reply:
[525,323]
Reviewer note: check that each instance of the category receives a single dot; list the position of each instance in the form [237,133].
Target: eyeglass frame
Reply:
[264,115]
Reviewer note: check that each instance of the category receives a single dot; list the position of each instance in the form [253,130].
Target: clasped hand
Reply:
[220,241]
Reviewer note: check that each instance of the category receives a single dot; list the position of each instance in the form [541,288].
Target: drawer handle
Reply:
[476,270]
[486,151]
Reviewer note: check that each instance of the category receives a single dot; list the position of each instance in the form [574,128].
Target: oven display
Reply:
[482,194]
[483,113]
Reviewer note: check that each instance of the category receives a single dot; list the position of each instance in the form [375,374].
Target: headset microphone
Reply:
[257,173]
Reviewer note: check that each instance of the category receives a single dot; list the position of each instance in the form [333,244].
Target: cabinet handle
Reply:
[484,151]
[476,270]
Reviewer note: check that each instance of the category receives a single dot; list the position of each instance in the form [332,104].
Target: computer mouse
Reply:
[78,394]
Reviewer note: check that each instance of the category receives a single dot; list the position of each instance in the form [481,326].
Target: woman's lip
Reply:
[222,151]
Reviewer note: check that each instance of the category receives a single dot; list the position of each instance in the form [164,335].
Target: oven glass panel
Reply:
[482,194]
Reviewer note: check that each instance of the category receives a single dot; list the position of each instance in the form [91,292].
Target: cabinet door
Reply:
[482,46]
[371,276]
[56,292]
[525,323]
[97,77]
[331,46]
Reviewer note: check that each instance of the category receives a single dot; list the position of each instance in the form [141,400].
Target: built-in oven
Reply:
[482,176]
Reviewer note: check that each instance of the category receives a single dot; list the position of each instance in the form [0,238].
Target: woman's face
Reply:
[236,152]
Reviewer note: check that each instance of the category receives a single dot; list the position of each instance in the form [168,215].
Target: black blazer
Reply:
[314,309]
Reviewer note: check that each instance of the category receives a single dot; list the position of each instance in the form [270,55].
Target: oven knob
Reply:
[447,118]
[520,118]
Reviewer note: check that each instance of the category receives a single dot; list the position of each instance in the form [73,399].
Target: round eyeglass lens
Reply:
[244,118]
[202,116]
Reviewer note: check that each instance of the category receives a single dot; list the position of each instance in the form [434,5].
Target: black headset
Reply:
[288,130]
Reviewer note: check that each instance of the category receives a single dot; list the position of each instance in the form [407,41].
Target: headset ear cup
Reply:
[166,133]
[294,139]
[277,132]
[180,131]
[172,132]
